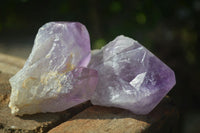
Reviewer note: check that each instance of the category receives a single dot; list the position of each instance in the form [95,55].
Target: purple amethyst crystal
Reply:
[130,76]
[54,77]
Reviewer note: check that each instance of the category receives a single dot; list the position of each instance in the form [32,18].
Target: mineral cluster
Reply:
[54,77]
[130,76]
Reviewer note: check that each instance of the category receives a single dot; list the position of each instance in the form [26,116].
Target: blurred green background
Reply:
[169,28]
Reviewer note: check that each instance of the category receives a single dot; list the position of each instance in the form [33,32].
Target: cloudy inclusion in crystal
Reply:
[130,76]
[54,77]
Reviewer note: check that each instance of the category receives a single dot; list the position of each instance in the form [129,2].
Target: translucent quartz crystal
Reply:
[54,77]
[130,76]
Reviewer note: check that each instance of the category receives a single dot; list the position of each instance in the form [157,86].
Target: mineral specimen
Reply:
[54,77]
[130,76]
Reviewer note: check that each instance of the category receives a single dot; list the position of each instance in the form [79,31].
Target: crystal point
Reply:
[54,77]
[130,76]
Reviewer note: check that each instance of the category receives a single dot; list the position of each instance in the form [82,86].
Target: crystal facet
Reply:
[54,77]
[130,76]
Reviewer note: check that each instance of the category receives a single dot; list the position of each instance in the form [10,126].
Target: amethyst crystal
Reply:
[54,77]
[130,76]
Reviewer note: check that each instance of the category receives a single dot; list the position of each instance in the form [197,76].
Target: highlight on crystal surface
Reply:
[54,77]
[130,76]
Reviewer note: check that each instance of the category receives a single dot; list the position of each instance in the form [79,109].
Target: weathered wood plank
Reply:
[10,64]
[97,119]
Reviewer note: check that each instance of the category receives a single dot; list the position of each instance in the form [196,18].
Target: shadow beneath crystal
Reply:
[44,117]
[64,115]
[163,118]
[41,121]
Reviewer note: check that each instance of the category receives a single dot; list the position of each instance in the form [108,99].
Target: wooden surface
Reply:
[100,119]
[10,64]
[83,118]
